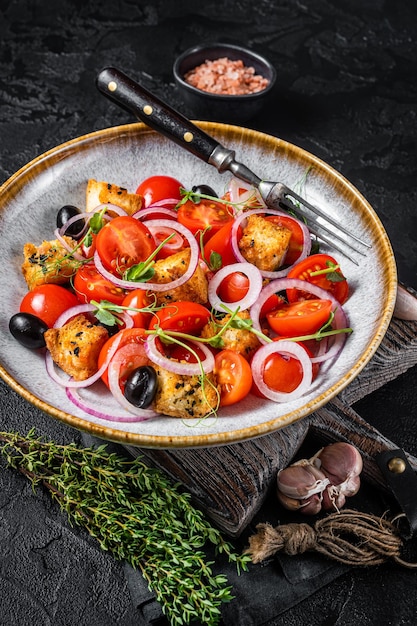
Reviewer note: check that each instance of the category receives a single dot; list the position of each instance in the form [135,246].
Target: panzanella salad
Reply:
[180,302]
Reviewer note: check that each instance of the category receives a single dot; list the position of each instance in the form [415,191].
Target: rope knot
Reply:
[349,537]
[291,539]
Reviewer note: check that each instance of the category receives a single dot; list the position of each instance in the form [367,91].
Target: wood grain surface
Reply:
[231,482]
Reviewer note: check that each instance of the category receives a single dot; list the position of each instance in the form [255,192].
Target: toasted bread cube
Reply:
[238,339]
[264,243]
[75,346]
[185,396]
[102,193]
[48,263]
[171,268]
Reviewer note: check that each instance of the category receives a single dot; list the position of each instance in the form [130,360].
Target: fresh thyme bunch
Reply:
[136,513]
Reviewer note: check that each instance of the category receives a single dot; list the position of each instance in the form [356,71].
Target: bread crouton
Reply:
[75,346]
[171,268]
[185,396]
[238,339]
[48,263]
[101,193]
[264,243]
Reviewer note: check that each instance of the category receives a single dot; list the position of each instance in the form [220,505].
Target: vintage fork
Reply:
[131,96]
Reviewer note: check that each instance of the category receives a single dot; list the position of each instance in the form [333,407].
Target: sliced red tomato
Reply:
[312,269]
[220,243]
[234,376]
[297,237]
[138,299]
[300,318]
[283,373]
[89,285]
[128,336]
[156,188]
[233,287]
[197,217]
[184,316]
[123,242]
[48,302]
[183,353]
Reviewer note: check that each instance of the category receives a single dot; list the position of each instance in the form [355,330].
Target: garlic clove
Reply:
[339,461]
[301,481]
[351,486]
[307,506]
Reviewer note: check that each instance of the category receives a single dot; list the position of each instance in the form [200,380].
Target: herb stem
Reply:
[138,515]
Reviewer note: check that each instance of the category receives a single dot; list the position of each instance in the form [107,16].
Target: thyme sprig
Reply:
[136,513]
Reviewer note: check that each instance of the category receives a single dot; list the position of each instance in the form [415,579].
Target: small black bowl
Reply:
[233,109]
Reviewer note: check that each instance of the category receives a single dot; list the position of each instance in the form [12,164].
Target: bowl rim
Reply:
[224,97]
[113,433]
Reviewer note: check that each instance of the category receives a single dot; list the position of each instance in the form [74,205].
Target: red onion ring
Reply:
[155,208]
[50,368]
[239,256]
[128,284]
[89,308]
[72,312]
[138,351]
[82,404]
[255,286]
[174,245]
[286,348]
[250,194]
[187,369]
[281,284]
[110,207]
[75,255]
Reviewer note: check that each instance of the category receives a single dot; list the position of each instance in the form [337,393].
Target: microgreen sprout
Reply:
[215,261]
[331,271]
[107,312]
[144,271]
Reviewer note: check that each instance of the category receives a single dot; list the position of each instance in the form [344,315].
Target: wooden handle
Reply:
[131,96]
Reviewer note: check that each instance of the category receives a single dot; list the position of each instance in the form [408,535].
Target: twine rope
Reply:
[350,537]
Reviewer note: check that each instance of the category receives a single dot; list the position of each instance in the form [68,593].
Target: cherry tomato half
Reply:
[182,353]
[156,188]
[123,242]
[138,299]
[332,281]
[297,237]
[235,286]
[48,302]
[128,335]
[234,376]
[221,244]
[187,317]
[300,318]
[283,373]
[89,285]
[198,216]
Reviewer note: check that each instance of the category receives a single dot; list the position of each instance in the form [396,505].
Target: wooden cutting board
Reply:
[231,482]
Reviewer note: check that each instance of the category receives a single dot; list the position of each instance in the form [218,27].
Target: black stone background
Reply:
[346,91]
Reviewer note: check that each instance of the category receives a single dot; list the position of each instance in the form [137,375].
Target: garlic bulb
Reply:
[322,482]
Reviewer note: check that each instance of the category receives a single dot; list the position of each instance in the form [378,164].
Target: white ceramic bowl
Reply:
[125,156]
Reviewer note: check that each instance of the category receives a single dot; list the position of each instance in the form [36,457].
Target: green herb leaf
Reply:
[96,222]
[140,273]
[216,261]
[138,515]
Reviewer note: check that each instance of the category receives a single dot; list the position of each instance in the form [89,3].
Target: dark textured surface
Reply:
[347,92]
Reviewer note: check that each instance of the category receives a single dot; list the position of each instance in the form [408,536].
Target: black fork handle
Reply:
[131,96]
